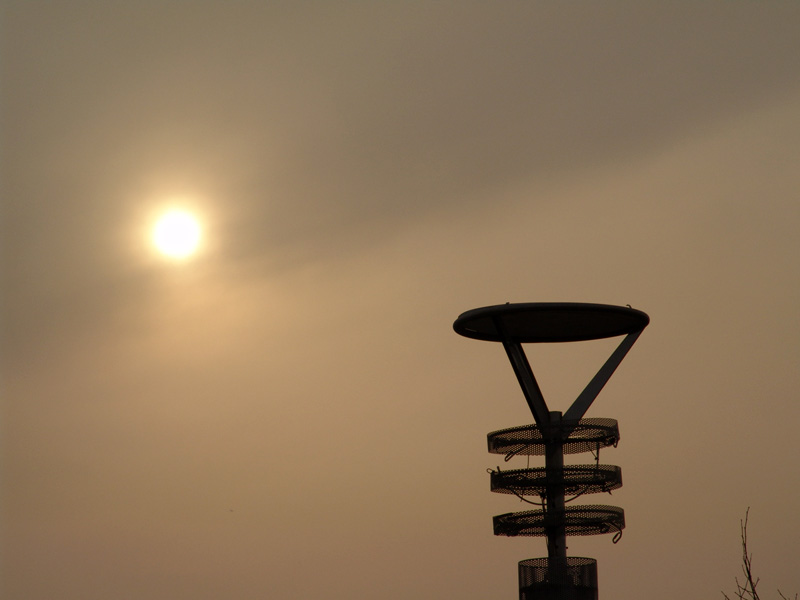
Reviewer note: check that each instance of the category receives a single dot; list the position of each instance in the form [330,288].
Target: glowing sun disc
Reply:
[177,234]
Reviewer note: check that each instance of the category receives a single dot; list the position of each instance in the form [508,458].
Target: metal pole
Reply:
[554,502]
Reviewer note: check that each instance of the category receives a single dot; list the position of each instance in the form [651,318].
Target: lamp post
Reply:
[554,434]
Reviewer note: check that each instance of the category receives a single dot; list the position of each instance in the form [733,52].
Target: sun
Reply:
[177,234]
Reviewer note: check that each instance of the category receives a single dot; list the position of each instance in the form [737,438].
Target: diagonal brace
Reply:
[522,369]
[590,392]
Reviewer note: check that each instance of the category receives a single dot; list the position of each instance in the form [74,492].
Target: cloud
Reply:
[315,125]
[367,172]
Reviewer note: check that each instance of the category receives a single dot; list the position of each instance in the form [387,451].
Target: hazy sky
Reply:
[289,413]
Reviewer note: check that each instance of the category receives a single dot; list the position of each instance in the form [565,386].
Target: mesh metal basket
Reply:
[574,578]
[577,479]
[585,435]
[576,520]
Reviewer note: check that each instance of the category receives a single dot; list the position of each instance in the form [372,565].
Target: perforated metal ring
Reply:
[586,435]
[577,520]
[576,479]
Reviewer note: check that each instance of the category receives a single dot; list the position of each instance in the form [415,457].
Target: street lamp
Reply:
[553,435]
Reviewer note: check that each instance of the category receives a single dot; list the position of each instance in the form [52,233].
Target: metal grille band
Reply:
[587,435]
[577,520]
[572,577]
[577,479]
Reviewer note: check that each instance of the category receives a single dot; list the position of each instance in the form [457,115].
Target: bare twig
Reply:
[747,589]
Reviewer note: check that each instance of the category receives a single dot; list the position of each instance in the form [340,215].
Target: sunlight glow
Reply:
[177,234]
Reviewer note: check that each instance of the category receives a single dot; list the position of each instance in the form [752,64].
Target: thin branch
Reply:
[750,583]
[747,589]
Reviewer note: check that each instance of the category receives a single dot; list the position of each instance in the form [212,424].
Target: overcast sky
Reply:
[289,414]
